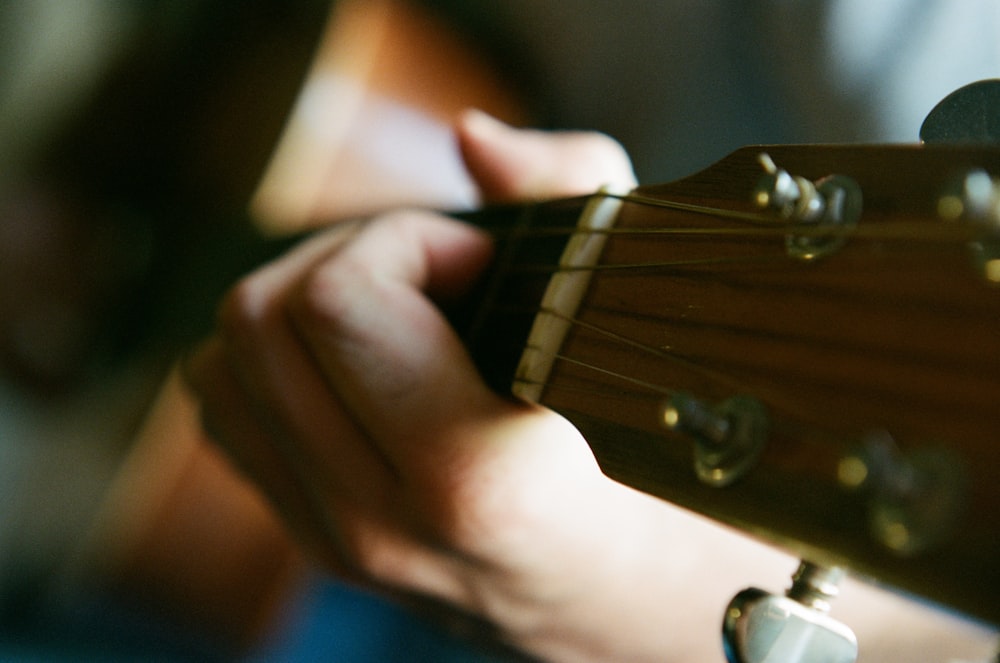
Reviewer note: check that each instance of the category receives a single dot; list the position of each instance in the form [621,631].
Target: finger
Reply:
[384,346]
[357,546]
[232,422]
[516,164]
[313,430]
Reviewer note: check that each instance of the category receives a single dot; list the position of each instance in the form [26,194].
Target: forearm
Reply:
[666,576]
[660,588]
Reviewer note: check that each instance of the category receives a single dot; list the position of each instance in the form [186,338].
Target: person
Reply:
[335,383]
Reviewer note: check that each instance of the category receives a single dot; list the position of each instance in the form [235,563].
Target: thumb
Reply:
[511,164]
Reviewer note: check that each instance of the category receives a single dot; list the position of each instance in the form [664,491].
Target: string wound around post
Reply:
[728,437]
[823,212]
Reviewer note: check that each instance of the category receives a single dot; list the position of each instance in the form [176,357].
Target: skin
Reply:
[336,386]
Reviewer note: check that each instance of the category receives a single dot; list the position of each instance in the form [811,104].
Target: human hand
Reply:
[337,386]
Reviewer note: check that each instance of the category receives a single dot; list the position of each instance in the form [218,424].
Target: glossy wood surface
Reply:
[896,332]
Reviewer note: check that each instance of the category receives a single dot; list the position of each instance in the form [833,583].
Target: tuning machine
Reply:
[795,628]
[915,499]
[824,211]
[975,198]
[728,436]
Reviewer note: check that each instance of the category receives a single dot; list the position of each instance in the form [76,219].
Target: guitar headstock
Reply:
[865,337]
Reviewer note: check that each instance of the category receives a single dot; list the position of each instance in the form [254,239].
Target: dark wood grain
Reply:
[897,331]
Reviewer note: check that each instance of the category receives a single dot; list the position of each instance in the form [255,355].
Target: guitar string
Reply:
[718,376]
[778,224]
[791,424]
[752,217]
[909,232]
[764,225]
[643,347]
[651,386]
[805,433]
[948,231]
[653,390]
[645,266]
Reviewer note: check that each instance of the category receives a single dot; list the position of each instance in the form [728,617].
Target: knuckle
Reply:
[337,286]
[327,294]
[244,309]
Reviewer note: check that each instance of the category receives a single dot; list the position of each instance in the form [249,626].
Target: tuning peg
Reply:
[827,209]
[728,437]
[915,499]
[795,628]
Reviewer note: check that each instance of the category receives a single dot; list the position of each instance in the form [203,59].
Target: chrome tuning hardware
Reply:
[824,212]
[795,628]
[976,199]
[915,499]
[728,437]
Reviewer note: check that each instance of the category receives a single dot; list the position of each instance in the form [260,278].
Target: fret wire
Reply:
[519,229]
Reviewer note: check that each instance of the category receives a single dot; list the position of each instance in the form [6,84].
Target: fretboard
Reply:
[496,317]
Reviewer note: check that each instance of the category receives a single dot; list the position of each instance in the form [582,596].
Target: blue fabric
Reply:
[333,622]
[327,621]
